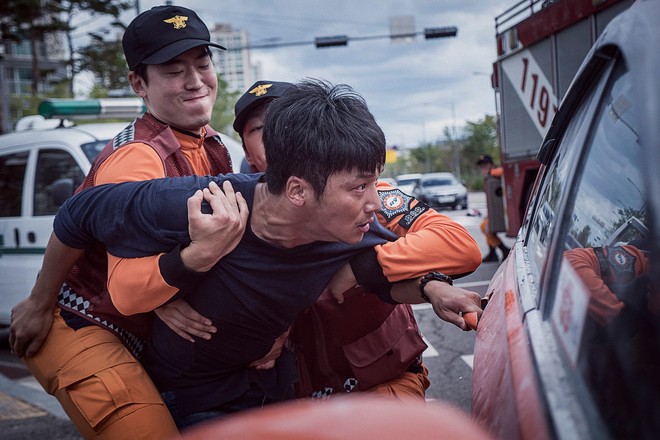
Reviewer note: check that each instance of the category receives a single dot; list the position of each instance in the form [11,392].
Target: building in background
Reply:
[16,74]
[234,64]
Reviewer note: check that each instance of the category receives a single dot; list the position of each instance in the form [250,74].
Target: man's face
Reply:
[253,139]
[347,206]
[182,91]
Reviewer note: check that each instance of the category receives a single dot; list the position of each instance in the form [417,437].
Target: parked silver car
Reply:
[441,190]
[408,182]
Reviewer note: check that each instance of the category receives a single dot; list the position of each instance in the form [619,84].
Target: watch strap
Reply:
[437,276]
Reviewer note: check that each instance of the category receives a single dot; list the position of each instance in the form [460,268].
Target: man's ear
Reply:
[137,84]
[298,191]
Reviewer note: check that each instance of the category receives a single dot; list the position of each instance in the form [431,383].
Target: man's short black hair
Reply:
[316,129]
[484,159]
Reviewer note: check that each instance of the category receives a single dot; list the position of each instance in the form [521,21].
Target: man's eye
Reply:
[256,129]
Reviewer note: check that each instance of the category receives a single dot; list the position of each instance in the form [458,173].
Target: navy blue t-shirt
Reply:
[252,295]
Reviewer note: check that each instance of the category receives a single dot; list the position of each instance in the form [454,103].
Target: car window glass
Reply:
[12,176]
[92,149]
[52,165]
[544,219]
[602,312]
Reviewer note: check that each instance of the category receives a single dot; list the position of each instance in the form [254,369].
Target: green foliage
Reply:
[105,60]
[473,139]
[223,110]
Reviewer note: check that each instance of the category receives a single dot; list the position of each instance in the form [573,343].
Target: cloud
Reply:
[415,90]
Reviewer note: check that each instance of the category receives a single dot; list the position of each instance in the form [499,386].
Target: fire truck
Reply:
[540,46]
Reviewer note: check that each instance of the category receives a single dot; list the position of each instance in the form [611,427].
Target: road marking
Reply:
[422,306]
[30,382]
[14,409]
[468,359]
[430,351]
[473,284]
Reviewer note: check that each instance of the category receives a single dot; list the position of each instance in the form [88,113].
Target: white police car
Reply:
[40,165]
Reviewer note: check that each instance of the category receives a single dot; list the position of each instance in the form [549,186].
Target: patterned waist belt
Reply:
[68,299]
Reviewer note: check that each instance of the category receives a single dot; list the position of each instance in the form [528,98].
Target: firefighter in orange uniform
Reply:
[488,169]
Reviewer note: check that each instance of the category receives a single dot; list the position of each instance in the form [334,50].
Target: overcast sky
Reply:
[414,90]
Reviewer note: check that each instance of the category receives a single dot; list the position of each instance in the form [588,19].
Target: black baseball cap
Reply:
[162,33]
[258,94]
[484,159]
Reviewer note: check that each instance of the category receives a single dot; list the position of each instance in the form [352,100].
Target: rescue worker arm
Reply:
[141,276]
[136,285]
[449,302]
[428,241]
[216,234]
[31,318]
[213,235]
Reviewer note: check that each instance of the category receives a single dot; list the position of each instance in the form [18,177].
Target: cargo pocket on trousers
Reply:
[99,394]
[388,351]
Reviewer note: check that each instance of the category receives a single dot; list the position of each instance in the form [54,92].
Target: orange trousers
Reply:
[492,239]
[101,386]
[408,385]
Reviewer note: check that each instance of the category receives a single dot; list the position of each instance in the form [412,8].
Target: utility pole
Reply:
[457,162]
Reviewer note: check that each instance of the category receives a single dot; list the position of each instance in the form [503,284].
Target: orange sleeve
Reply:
[135,284]
[433,242]
[130,163]
[496,172]
[603,306]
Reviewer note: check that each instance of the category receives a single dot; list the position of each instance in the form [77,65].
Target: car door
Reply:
[569,344]
[589,243]
[598,297]
[27,177]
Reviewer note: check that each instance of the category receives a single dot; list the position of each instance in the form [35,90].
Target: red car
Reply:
[569,344]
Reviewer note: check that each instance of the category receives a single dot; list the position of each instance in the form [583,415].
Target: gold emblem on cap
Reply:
[261,89]
[179,21]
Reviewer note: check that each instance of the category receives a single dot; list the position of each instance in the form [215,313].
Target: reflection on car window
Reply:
[12,176]
[543,220]
[53,165]
[606,317]
[92,149]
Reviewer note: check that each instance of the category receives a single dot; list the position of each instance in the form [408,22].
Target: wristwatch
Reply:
[433,276]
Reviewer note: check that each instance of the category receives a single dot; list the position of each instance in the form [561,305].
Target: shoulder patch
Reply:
[125,136]
[412,215]
[621,263]
[394,202]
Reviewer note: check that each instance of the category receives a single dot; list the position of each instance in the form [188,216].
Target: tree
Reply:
[105,60]
[31,20]
[223,110]
[72,8]
[480,138]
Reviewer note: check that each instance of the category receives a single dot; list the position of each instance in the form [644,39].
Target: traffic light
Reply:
[440,32]
[336,40]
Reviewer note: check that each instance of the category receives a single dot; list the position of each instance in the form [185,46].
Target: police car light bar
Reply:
[110,108]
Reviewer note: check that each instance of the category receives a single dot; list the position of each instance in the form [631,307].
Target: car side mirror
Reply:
[61,189]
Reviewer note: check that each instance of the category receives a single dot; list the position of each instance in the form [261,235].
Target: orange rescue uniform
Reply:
[99,383]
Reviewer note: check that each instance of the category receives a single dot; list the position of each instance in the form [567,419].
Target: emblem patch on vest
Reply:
[621,262]
[394,202]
